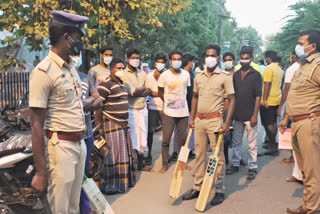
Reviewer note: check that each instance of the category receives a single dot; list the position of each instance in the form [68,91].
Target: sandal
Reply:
[293,179]
[287,161]
[252,174]
[188,167]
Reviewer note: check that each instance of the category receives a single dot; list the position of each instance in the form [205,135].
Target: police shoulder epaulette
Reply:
[315,65]
[43,65]
[199,73]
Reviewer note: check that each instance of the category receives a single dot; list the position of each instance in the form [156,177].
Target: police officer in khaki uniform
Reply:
[303,109]
[210,88]
[57,117]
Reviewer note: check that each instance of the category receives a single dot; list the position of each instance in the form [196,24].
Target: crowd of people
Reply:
[130,104]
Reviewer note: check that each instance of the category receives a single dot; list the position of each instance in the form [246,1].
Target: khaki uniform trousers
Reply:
[204,130]
[65,162]
[306,146]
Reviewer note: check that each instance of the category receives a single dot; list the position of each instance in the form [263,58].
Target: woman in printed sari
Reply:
[117,174]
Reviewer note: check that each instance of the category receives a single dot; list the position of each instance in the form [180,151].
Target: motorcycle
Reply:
[17,168]
[16,173]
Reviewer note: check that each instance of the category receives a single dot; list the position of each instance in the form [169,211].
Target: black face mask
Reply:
[76,47]
[245,66]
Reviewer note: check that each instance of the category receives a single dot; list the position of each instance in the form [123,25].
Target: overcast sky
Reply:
[264,15]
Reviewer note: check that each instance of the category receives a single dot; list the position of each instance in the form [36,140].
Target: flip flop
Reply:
[292,179]
[287,161]
[188,167]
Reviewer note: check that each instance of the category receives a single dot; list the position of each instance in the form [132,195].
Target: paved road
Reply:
[269,193]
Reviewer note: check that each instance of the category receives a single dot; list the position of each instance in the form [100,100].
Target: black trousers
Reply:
[154,117]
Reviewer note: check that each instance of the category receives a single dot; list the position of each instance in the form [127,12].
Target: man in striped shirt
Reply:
[118,173]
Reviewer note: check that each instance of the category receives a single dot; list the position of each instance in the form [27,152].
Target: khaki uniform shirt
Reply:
[133,80]
[304,93]
[211,91]
[56,86]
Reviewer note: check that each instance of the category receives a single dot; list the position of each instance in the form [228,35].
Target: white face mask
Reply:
[176,64]
[107,60]
[77,61]
[134,62]
[211,61]
[245,61]
[160,66]
[119,74]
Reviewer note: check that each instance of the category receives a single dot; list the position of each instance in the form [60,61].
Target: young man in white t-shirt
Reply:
[172,88]
[155,105]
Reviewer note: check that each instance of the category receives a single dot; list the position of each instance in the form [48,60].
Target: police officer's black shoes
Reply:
[191,195]
[217,199]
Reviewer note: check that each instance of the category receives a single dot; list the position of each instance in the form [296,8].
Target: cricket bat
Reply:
[209,178]
[95,196]
[177,179]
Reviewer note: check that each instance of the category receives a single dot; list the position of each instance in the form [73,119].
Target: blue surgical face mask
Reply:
[228,65]
[300,51]
[77,61]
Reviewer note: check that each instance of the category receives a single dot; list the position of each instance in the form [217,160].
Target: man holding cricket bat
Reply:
[206,117]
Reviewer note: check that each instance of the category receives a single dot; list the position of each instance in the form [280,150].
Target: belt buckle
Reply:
[204,115]
[292,119]
[312,115]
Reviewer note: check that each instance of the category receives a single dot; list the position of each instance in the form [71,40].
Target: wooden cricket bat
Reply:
[209,177]
[177,179]
[96,197]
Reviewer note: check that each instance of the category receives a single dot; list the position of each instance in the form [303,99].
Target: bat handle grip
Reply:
[188,138]
[219,143]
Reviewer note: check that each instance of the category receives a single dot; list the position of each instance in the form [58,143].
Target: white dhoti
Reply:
[138,122]
[296,172]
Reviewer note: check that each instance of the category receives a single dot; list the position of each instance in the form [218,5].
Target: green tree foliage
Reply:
[153,26]
[191,30]
[108,18]
[305,17]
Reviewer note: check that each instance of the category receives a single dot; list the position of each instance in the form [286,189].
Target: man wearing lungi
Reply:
[118,173]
